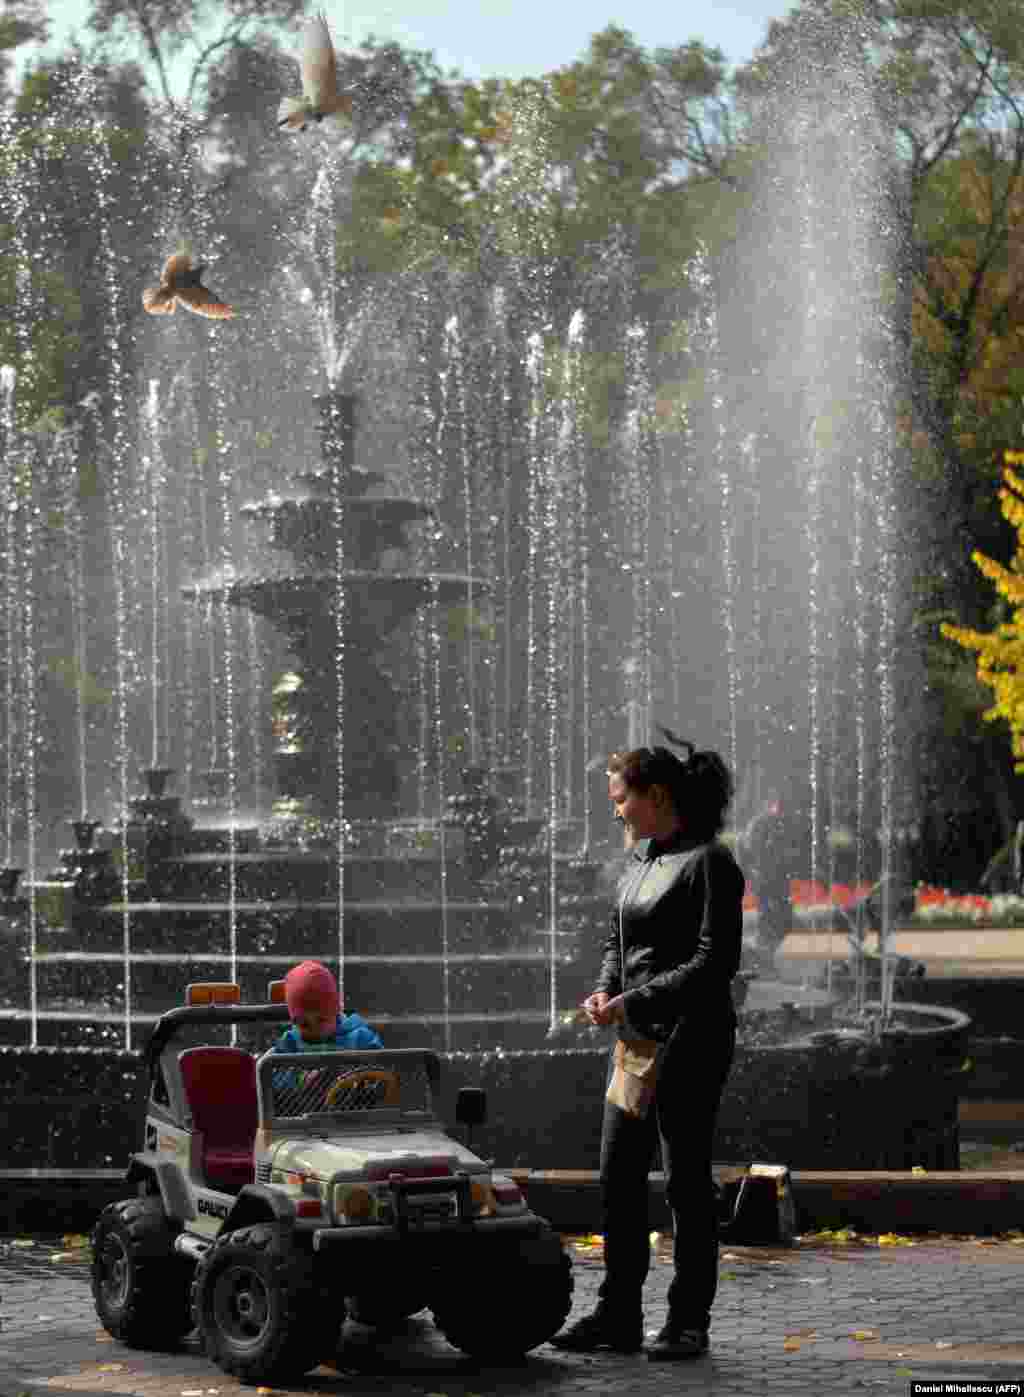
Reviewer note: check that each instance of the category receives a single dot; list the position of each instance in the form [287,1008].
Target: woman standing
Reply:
[665,980]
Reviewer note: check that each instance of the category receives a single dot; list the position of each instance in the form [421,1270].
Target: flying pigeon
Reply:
[320,95]
[180,281]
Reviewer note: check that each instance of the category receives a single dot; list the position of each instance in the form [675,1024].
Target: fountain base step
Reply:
[52,1201]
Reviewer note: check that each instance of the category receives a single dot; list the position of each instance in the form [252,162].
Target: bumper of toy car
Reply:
[325,1237]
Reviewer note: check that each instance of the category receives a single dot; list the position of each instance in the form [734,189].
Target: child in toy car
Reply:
[317,1023]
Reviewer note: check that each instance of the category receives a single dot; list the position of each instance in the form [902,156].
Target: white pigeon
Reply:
[320,95]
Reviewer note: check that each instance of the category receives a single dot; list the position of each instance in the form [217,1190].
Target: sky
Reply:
[515,38]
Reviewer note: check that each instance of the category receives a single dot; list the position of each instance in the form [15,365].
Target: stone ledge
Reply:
[868,1200]
[63,1200]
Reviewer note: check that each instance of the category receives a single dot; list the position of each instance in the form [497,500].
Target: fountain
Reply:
[444,648]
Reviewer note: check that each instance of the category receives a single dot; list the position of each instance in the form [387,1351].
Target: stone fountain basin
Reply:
[846,1103]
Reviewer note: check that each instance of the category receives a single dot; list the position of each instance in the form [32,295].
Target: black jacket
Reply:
[682,928]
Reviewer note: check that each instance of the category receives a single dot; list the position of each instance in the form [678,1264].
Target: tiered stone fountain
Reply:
[428,947]
[447,932]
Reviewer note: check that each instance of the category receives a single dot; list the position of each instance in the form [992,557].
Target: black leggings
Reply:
[690,1084]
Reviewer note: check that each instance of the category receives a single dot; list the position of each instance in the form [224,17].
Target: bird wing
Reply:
[293,111]
[158,301]
[176,266]
[204,302]
[338,105]
[319,69]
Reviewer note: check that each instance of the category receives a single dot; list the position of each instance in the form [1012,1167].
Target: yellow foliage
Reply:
[999,653]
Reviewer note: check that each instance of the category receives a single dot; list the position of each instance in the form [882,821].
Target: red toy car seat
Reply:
[220,1086]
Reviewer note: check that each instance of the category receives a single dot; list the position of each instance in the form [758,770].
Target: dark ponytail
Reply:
[700,784]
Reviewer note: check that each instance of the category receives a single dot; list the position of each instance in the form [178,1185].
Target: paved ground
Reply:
[814,1319]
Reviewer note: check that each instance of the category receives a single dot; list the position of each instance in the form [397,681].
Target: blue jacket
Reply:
[350,1031]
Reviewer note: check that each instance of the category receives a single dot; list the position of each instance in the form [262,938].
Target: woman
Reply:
[665,976]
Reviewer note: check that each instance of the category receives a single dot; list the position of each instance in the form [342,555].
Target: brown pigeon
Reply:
[319,69]
[180,281]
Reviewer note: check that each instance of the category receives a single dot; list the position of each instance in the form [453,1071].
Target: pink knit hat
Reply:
[312,986]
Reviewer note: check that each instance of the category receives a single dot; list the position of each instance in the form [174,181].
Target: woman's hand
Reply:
[602,1010]
[594,1004]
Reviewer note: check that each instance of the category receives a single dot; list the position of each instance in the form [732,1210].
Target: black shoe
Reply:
[602,1331]
[673,1342]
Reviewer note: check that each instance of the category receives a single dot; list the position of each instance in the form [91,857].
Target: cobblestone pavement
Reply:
[808,1320]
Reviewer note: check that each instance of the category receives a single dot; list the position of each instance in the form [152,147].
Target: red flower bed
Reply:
[804,892]
[808,892]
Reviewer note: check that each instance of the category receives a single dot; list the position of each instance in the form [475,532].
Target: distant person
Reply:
[1004,872]
[665,982]
[767,843]
[317,1023]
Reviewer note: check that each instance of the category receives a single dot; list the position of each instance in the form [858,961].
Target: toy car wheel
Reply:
[260,1308]
[139,1284]
[536,1271]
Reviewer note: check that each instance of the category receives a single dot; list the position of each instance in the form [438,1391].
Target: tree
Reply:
[948,80]
[22,22]
[1000,652]
[164,28]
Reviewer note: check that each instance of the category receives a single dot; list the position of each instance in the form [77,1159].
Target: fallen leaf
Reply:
[904,1372]
[863,1334]
[832,1234]
[75,1241]
[111,1368]
[919,1169]
[791,1345]
[23,1242]
[64,1256]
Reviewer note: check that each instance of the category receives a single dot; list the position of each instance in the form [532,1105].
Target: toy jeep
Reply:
[276,1194]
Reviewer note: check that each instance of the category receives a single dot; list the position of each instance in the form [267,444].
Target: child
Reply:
[314,1005]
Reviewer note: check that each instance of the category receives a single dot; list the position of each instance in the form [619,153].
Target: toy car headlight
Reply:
[354,1204]
[483,1197]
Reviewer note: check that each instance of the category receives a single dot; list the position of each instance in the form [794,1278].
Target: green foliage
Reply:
[619,141]
[163,29]
[42,348]
[67,672]
[22,22]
